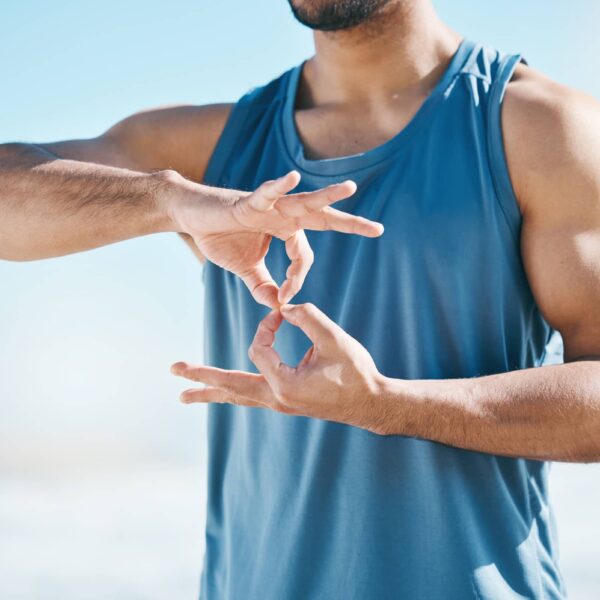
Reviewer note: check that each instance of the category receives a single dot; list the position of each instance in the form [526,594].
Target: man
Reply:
[401,452]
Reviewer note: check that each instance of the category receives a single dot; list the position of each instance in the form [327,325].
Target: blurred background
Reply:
[102,484]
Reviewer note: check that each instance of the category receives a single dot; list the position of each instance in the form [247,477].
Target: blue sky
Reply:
[85,341]
[72,68]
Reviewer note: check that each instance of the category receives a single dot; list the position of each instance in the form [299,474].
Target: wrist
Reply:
[172,193]
[182,199]
[380,413]
[393,400]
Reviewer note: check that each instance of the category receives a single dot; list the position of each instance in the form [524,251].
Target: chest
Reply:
[334,131]
[440,242]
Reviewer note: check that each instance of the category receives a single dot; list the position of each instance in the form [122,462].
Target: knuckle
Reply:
[284,399]
[334,340]
[304,209]
[282,393]
[330,195]
[325,221]
[292,289]
[282,408]
[308,309]
[193,375]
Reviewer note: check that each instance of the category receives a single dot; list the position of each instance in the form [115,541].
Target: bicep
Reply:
[181,138]
[562,261]
[103,150]
[554,141]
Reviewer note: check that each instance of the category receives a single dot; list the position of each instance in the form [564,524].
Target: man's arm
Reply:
[69,196]
[552,139]
[552,142]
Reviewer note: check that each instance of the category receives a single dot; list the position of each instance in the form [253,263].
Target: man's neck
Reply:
[403,49]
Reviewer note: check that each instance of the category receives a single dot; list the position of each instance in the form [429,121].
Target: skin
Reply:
[335,16]
[552,142]
[362,86]
[56,200]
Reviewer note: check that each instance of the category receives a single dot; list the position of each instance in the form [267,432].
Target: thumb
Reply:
[319,328]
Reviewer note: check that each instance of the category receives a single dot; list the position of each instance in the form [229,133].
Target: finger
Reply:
[319,328]
[261,351]
[301,256]
[297,205]
[265,196]
[251,385]
[261,285]
[210,395]
[331,219]
[267,328]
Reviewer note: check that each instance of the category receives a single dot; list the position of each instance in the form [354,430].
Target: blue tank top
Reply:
[302,509]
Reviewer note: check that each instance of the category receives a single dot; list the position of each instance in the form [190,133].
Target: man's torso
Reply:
[300,508]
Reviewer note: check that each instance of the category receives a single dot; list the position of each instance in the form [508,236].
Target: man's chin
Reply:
[335,15]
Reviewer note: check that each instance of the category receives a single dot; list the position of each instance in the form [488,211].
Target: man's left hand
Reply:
[336,379]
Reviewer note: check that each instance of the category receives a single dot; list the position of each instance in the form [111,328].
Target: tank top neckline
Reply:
[341,165]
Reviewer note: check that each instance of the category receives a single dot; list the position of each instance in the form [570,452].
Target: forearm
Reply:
[546,413]
[51,206]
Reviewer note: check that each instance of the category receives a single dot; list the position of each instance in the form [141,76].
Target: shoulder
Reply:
[552,141]
[180,137]
[184,137]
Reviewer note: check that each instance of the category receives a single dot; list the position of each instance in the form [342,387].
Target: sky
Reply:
[86,341]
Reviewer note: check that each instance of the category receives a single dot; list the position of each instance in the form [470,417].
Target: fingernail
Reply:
[286,308]
[293,172]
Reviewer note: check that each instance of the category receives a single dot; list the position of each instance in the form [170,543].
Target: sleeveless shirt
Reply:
[302,509]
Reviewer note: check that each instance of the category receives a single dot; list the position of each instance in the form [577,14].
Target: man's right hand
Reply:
[234,229]
[143,176]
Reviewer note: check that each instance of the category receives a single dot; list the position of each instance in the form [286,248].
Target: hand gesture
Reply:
[336,380]
[234,230]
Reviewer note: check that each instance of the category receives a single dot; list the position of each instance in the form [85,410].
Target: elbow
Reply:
[584,458]
[19,155]
[13,150]
[583,452]
[590,460]
[587,455]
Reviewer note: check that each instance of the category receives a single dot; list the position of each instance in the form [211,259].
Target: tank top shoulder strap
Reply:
[496,69]
[244,117]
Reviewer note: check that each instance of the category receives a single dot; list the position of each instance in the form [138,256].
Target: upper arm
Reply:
[552,142]
[173,137]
